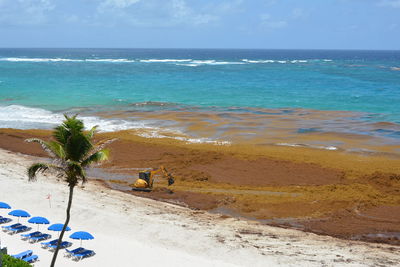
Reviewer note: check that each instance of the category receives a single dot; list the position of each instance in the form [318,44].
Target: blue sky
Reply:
[325,24]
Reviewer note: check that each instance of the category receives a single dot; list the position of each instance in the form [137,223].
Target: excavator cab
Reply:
[145,181]
[145,175]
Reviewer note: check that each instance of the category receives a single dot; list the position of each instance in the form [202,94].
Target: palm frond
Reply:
[61,134]
[57,149]
[54,149]
[77,147]
[35,168]
[91,132]
[96,157]
[100,146]
[72,151]
[45,145]
[73,124]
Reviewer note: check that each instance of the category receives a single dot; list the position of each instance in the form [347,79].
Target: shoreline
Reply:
[137,228]
[332,193]
[333,130]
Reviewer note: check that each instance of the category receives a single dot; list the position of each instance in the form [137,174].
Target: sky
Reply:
[276,24]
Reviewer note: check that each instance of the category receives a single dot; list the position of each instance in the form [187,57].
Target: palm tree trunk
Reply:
[71,191]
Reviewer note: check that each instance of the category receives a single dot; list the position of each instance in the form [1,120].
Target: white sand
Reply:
[133,231]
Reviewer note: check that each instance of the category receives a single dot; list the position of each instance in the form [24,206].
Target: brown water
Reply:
[329,130]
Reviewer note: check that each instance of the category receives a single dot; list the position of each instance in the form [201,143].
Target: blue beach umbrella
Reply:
[19,214]
[4,205]
[57,227]
[38,221]
[81,235]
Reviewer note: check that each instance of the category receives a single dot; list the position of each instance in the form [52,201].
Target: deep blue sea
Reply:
[37,85]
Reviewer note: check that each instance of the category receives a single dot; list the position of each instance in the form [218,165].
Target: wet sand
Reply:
[348,195]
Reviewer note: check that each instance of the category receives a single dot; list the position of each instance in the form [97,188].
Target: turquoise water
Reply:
[55,80]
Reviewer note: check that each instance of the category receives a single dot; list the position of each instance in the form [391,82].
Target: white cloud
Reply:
[125,13]
[269,23]
[153,13]
[181,12]
[25,12]
[117,3]
[298,13]
[390,3]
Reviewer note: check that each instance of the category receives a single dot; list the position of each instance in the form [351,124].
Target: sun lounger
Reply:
[31,259]
[19,229]
[22,255]
[69,253]
[81,255]
[39,238]
[27,236]
[5,220]
[16,227]
[8,227]
[48,243]
[64,244]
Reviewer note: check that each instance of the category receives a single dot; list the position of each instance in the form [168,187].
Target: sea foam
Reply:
[21,117]
[17,59]
[111,60]
[164,60]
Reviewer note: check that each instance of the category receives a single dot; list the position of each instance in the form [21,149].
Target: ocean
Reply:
[320,98]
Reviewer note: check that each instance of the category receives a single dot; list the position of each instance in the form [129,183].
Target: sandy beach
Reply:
[131,230]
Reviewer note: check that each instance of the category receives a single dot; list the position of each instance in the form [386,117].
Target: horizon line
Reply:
[208,48]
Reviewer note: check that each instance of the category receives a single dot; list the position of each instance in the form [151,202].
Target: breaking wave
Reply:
[178,62]
[164,60]
[15,59]
[21,117]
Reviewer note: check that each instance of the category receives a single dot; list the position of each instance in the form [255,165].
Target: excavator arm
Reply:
[165,173]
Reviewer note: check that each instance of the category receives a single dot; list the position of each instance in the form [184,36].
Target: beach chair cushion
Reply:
[39,238]
[83,254]
[4,220]
[69,253]
[19,229]
[47,244]
[31,259]
[26,236]
[8,227]
[64,244]
[23,254]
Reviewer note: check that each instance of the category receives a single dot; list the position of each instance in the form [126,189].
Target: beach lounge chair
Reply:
[5,220]
[22,255]
[84,254]
[8,227]
[69,253]
[27,236]
[48,243]
[19,229]
[64,244]
[31,259]
[16,227]
[41,237]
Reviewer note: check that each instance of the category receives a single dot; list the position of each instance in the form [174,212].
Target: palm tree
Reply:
[73,151]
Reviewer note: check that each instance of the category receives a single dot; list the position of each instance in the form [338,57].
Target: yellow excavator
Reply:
[146,179]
